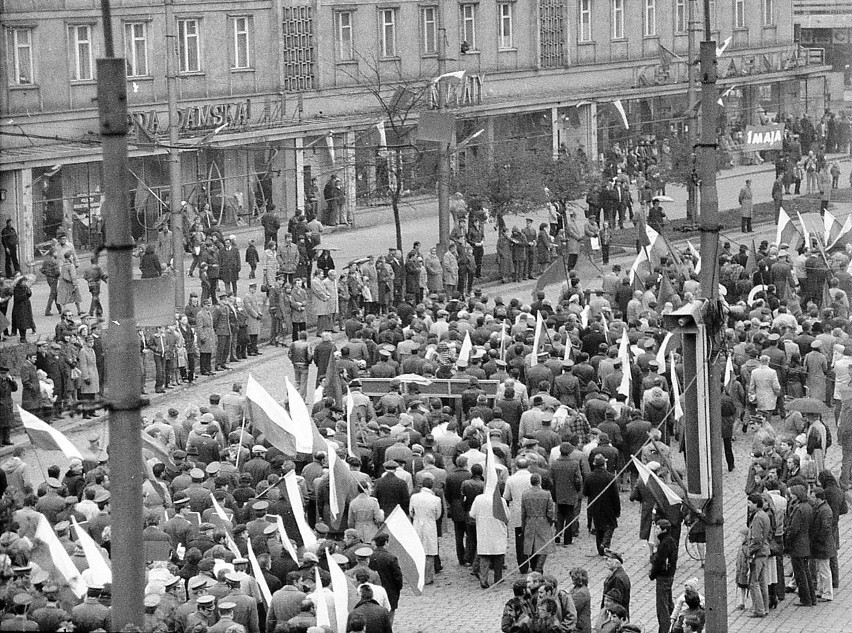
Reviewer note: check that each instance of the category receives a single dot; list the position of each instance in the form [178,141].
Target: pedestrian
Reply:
[663,567]
[252,304]
[66,289]
[797,543]
[450,268]
[746,207]
[9,240]
[760,533]
[94,275]
[252,258]
[229,265]
[823,546]
[425,510]
[50,270]
[605,512]
[7,415]
[301,355]
[22,310]
[582,599]
[271,224]
[573,236]
[538,513]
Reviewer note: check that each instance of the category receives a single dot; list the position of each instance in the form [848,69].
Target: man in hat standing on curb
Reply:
[663,566]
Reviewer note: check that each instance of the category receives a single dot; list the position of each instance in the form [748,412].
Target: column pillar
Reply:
[554,132]
[349,174]
[300,173]
[26,217]
[592,131]
[489,139]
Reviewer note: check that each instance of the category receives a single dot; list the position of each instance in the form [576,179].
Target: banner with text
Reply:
[764,137]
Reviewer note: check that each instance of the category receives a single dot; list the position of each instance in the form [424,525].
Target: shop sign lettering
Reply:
[458,94]
[235,116]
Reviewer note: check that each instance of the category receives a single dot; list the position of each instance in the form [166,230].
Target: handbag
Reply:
[76,374]
[264,287]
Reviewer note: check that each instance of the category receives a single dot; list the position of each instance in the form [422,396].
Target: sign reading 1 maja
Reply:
[763,137]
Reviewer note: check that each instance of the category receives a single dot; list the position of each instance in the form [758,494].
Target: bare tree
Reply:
[396,155]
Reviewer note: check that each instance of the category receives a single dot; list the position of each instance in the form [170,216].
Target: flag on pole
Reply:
[786,229]
[826,295]
[329,141]
[226,521]
[696,256]
[285,539]
[158,450]
[323,617]
[678,409]
[405,544]
[806,234]
[661,354]
[333,388]
[832,227]
[751,262]
[258,574]
[844,232]
[294,495]
[503,341]
[49,554]
[665,293]
[457,75]
[303,422]
[383,137]
[624,355]
[46,438]
[667,499]
[620,108]
[340,482]
[729,369]
[498,508]
[641,258]
[584,316]
[724,47]
[271,419]
[340,589]
[351,441]
[539,327]
[605,327]
[99,571]
[464,353]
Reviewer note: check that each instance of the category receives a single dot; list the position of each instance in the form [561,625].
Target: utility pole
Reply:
[175,195]
[692,114]
[443,154]
[715,571]
[124,373]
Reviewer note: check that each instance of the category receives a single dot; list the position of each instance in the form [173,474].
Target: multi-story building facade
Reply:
[272,94]
[826,26]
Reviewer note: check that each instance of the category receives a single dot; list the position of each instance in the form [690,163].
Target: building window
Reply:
[343,31]
[739,14]
[650,18]
[680,16]
[585,32]
[81,55]
[617,19]
[553,33]
[468,25]
[504,28]
[21,56]
[768,12]
[387,21]
[242,30]
[298,40]
[189,46]
[429,32]
[136,48]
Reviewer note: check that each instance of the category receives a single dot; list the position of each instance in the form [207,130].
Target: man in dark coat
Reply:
[390,490]
[823,546]
[271,224]
[229,266]
[606,510]
[567,484]
[387,567]
[797,542]
[455,501]
[374,617]
[7,409]
[222,328]
[663,566]
[30,393]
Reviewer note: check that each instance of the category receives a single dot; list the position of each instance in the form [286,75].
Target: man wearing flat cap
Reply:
[390,490]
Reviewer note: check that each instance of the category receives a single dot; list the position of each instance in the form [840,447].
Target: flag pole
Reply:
[240,445]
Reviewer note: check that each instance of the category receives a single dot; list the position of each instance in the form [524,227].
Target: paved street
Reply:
[455,602]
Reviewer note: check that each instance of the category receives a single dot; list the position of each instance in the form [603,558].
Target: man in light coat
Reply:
[491,541]
[425,510]
[451,270]
[251,304]
[537,515]
[573,235]
[764,387]
[516,485]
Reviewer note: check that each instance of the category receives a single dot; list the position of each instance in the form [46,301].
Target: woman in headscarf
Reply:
[22,310]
